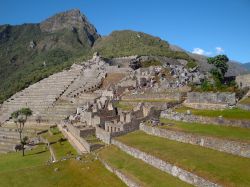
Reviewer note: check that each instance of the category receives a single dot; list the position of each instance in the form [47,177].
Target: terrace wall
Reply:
[204,120]
[164,166]
[233,147]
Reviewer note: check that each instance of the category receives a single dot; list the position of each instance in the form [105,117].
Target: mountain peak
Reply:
[66,20]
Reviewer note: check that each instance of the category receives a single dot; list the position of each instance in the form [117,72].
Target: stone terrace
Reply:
[40,96]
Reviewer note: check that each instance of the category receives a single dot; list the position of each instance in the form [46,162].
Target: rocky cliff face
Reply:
[72,19]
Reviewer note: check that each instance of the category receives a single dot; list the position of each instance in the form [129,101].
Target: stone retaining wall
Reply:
[182,174]
[244,107]
[243,80]
[210,100]
[127,180]
[167,96]
[204,120]
[233,147]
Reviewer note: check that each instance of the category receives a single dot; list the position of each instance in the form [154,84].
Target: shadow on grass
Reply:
[36,153]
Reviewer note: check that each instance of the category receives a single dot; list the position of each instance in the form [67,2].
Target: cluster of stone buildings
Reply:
[102,119]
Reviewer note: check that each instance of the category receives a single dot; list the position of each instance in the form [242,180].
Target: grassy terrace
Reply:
[32,169]
[139,171]
[123,105]
[61,148]
[232,133]
[15,161]
[89,172]
[235,113]
[222,168]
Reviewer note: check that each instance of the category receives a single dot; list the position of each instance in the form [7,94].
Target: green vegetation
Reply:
[191,64]
[220,66]
[151,63]
[127,43]
[89,172]
[235,113]
[22,65]
[20,118]
[61,146]
[232,133]
[222,168]
[12,161]
[123,105]
[33,169]
[138,170]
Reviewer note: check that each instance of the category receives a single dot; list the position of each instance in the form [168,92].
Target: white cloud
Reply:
[200,51]
[219,50]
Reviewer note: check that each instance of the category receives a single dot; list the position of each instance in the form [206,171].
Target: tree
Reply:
[220,66]
[20,118]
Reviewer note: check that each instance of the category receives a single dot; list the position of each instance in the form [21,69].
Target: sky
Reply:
[208,27]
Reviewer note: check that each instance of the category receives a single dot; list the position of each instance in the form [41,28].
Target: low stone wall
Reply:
[244,107]
[210,100]
[233,147]
[127,180]
[168,96]
[204,120]
[182,174]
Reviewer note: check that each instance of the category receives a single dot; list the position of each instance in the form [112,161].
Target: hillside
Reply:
[30,52]
[127,43]
[246,65]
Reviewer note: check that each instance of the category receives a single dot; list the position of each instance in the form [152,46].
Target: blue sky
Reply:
[207,27]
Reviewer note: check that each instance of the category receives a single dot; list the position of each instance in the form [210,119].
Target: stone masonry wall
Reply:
[205,100]
[233,147]
[165,166]
[244,107]
[171,96]
[204,120]
[243,80]
[103,135]
[127,180]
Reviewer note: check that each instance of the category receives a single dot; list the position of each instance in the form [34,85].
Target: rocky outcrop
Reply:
[72,19]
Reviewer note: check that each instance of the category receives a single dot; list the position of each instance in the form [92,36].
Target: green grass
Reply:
[32,169]
[222,168]
[15,161]
[151,63]
[54,136]
[89,172]
[123,106]
[236,113]
[63,150]
[138,170]
[232,133]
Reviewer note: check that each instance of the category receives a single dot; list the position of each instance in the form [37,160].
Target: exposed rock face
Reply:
[72,19]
